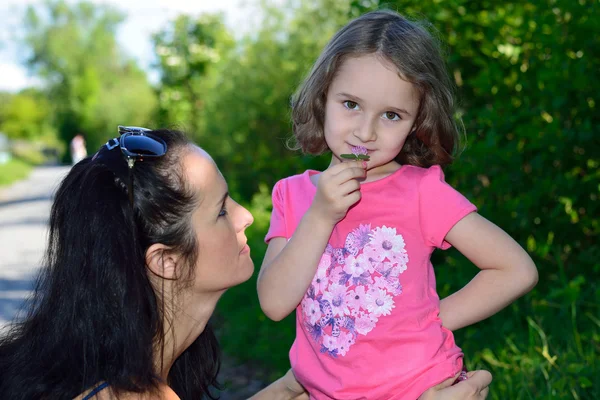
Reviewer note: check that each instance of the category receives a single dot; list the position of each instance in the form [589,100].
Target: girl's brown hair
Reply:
[416,54]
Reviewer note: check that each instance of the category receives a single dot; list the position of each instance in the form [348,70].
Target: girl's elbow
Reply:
[529,276]
[273,314]
[270,309]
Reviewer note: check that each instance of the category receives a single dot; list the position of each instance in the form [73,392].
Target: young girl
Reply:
[349,248]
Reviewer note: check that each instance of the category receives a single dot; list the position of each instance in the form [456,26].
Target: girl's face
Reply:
[369,105]
[219,222]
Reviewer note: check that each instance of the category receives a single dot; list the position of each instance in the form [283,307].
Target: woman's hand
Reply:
[284,388]
[294,387]
[474,388]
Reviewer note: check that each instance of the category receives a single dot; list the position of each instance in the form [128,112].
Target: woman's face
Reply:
[219,222]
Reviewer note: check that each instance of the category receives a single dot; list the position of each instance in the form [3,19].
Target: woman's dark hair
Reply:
[417,56]
[94,315]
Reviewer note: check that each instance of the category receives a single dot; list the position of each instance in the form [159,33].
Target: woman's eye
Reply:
[350,105]
[392,116]
[223,212]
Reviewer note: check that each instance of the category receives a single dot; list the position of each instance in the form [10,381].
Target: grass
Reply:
[13,170]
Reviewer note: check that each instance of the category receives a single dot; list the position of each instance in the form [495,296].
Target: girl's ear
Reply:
[162,262]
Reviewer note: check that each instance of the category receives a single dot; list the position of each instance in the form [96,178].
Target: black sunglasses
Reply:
[136,144]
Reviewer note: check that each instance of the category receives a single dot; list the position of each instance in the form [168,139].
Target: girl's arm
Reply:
[289,267]
[507,272]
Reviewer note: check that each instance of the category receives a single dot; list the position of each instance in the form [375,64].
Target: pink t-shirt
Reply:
[368,326]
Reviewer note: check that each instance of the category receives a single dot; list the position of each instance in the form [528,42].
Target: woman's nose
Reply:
[245,217]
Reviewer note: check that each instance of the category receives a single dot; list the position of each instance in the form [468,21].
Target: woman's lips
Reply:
[245,249]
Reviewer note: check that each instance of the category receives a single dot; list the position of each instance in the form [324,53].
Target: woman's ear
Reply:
[162,262]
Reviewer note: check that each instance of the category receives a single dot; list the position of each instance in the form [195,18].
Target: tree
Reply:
[92,85]
[528,101]
[248,114]
[188,50]
[25,116]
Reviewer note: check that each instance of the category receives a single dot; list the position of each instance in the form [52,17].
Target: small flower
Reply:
[312,311]
[358,153]
[330,342]
[358,150]
[325,262]
[365,323]
[357,298]
[385,243]
[379,302]
[356,266]
[344,342]
[391,284]
[336,295]
[320,280]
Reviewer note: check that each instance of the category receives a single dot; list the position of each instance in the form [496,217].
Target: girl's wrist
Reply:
[318,219]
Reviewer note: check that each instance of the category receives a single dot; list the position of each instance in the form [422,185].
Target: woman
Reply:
[143,241]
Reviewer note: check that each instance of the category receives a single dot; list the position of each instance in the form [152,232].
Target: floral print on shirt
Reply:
[354,286]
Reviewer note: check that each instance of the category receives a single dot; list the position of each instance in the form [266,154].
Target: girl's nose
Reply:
[366,131]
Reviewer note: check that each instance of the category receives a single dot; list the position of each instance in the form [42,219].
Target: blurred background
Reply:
[527,79]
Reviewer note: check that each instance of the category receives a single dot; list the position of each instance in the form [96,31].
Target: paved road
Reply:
[24,210]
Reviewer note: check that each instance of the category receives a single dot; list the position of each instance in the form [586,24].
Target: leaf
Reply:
[349,156]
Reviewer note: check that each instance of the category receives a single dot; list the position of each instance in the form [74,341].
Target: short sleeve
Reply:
[440,207]
[277,228]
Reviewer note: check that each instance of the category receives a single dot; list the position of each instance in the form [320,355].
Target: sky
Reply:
[144,17]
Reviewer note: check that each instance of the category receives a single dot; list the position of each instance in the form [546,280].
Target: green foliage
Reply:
[26,116]
[247,116]
[188,51]
[12,171]
[92,86]
[523,75]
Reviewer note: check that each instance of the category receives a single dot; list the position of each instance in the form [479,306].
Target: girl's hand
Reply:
[474,388]
[337,190]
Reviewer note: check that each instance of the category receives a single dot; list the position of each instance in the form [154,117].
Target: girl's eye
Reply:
[392,116]
[350,105]
[223,212]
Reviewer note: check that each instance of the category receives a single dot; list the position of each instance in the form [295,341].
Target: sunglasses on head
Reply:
[136,144]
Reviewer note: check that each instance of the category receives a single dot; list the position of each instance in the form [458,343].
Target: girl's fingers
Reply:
[347,174]
[349,187]
[345,165]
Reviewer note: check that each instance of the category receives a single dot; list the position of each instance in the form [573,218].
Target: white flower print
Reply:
[364,323]
[356,266]
[353,287]
[391,284]
[344,342]
[330,342]
[312,311]
[357,298]
[379,302]
[400,259]
[325,262]
[386,243]
[336,274]
[320,281]
[373,254]
[336,295]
